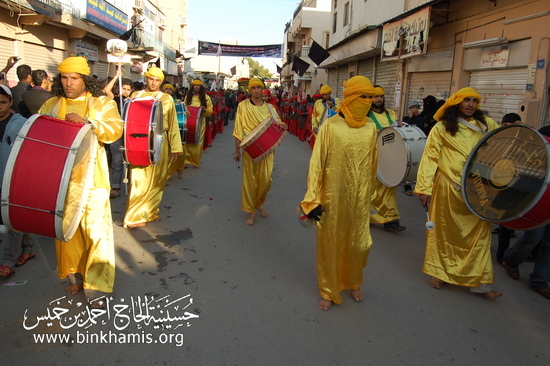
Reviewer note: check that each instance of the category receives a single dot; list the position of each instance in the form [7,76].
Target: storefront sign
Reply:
[137,66]
[107,16]
[88,50]
[494,57]
[406,37]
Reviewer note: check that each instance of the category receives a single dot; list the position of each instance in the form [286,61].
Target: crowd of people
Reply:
[344,195]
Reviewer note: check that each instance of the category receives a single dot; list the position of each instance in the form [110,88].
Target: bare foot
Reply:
[157,219]
[357,294]
[492,294]
[73,289]
[435,283]
[139,224]
[251,219]
[324,304]
[99,303]
[180,174]
[263,213]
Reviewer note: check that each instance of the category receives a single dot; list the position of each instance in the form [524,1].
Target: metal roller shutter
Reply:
[366,68]
[43,58]
[101,68]
[422,84]
[6,50]
[333,79]
[386,77]
[501,90]
[342,76]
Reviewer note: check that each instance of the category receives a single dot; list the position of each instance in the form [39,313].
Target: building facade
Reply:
[416,48]
[44,32]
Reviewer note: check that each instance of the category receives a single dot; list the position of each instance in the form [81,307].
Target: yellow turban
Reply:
[379,91]
[355,109]
[457,98]
[169,86]
[197,82]
[325,89]
[74,64]
[155,72]
[255,82]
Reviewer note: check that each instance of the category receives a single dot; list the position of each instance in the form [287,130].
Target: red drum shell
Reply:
[506,178]
[194,125]
[49,158]
[263,139]
[143,131]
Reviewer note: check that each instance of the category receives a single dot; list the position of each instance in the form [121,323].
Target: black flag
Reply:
[299,66]
[233,70]
[317,53]
[128,34]
[279,69]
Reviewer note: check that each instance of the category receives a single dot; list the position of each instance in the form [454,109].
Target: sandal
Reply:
[409,193]
[23,258]
[6,271]
[114,193]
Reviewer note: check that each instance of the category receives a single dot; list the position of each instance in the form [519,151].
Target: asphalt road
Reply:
[202,288]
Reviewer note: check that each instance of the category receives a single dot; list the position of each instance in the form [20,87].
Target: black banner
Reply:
[217,49]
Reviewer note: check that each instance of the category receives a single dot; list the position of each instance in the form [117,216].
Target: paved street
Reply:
[250,293]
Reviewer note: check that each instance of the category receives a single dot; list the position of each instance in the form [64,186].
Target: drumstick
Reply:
[429,224]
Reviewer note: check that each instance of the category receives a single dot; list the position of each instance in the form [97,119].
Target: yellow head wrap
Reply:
[155,72]
[169,86]
[379,91]
[255,82]
[197,82]
[355,109]
[455,99]
[74,64]
[325,89]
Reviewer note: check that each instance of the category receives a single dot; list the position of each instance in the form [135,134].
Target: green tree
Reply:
[257,69]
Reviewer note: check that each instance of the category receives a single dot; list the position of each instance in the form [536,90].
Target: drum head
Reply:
[156,134]
[506,174]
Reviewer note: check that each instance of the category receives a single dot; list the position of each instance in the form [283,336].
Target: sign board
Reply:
[107,16]
[495,57]
[406,37]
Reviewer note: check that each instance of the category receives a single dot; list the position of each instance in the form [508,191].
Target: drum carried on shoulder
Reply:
[507,176]
[400,149]
[143,131]
[263,139]
[48,177]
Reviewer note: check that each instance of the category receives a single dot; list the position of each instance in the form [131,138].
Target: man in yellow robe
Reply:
[327,103]
[458,248]
[196,97]
[88,258]
[342,171]
[385,201]
[147,183]
[256,176]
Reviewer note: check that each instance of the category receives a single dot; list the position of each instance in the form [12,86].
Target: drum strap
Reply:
[378,126]
[273,113]
[483,128]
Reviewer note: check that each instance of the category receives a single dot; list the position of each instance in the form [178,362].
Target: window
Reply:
[327,39]
[346,14]
[334,22]
[335,4]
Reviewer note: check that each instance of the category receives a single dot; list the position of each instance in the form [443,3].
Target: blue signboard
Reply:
[107,16]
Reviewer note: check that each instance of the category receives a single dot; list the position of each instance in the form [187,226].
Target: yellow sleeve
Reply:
[238,131]
[106,121]
[429,161]
[317,113]
[171,123]
[209,107]
[316,169]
